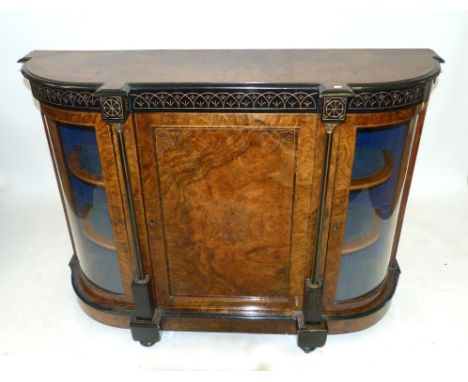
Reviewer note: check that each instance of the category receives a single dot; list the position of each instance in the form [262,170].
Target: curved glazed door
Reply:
[82,149]
[374,163]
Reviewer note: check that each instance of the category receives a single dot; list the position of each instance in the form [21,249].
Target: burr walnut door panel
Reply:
[228,202]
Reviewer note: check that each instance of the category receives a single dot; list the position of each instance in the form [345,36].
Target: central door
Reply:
[228,200]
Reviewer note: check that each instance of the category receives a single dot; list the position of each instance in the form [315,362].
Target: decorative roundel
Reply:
[335,109]
[112,108]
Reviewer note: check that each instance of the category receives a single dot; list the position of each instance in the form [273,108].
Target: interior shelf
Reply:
[96,222]
[371,167]
[363,225]
[95,233]
[369,238]
[83,162]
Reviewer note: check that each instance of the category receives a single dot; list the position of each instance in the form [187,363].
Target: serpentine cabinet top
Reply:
[368,80]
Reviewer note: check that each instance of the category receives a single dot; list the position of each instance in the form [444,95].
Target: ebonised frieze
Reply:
[234,100]
[389,99]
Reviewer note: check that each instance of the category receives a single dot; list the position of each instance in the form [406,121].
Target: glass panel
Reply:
[378,171]
[88,207]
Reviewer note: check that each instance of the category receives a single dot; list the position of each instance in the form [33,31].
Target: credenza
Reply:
[234,190]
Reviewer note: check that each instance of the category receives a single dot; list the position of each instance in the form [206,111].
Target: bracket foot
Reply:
[312,336]
[146,331]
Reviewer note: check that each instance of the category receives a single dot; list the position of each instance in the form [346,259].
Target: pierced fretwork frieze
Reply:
[332,108]
[225,100]
[389,99]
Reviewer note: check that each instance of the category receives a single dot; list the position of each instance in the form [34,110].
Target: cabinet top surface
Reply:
[330,68]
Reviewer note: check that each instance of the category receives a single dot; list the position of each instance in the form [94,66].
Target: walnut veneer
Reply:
[250,190]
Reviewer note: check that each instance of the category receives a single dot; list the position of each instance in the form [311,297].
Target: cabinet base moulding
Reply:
[174,320]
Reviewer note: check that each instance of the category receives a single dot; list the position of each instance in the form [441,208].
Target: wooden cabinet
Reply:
[255,191]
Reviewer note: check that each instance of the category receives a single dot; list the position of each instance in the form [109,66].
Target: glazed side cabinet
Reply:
[250,190]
